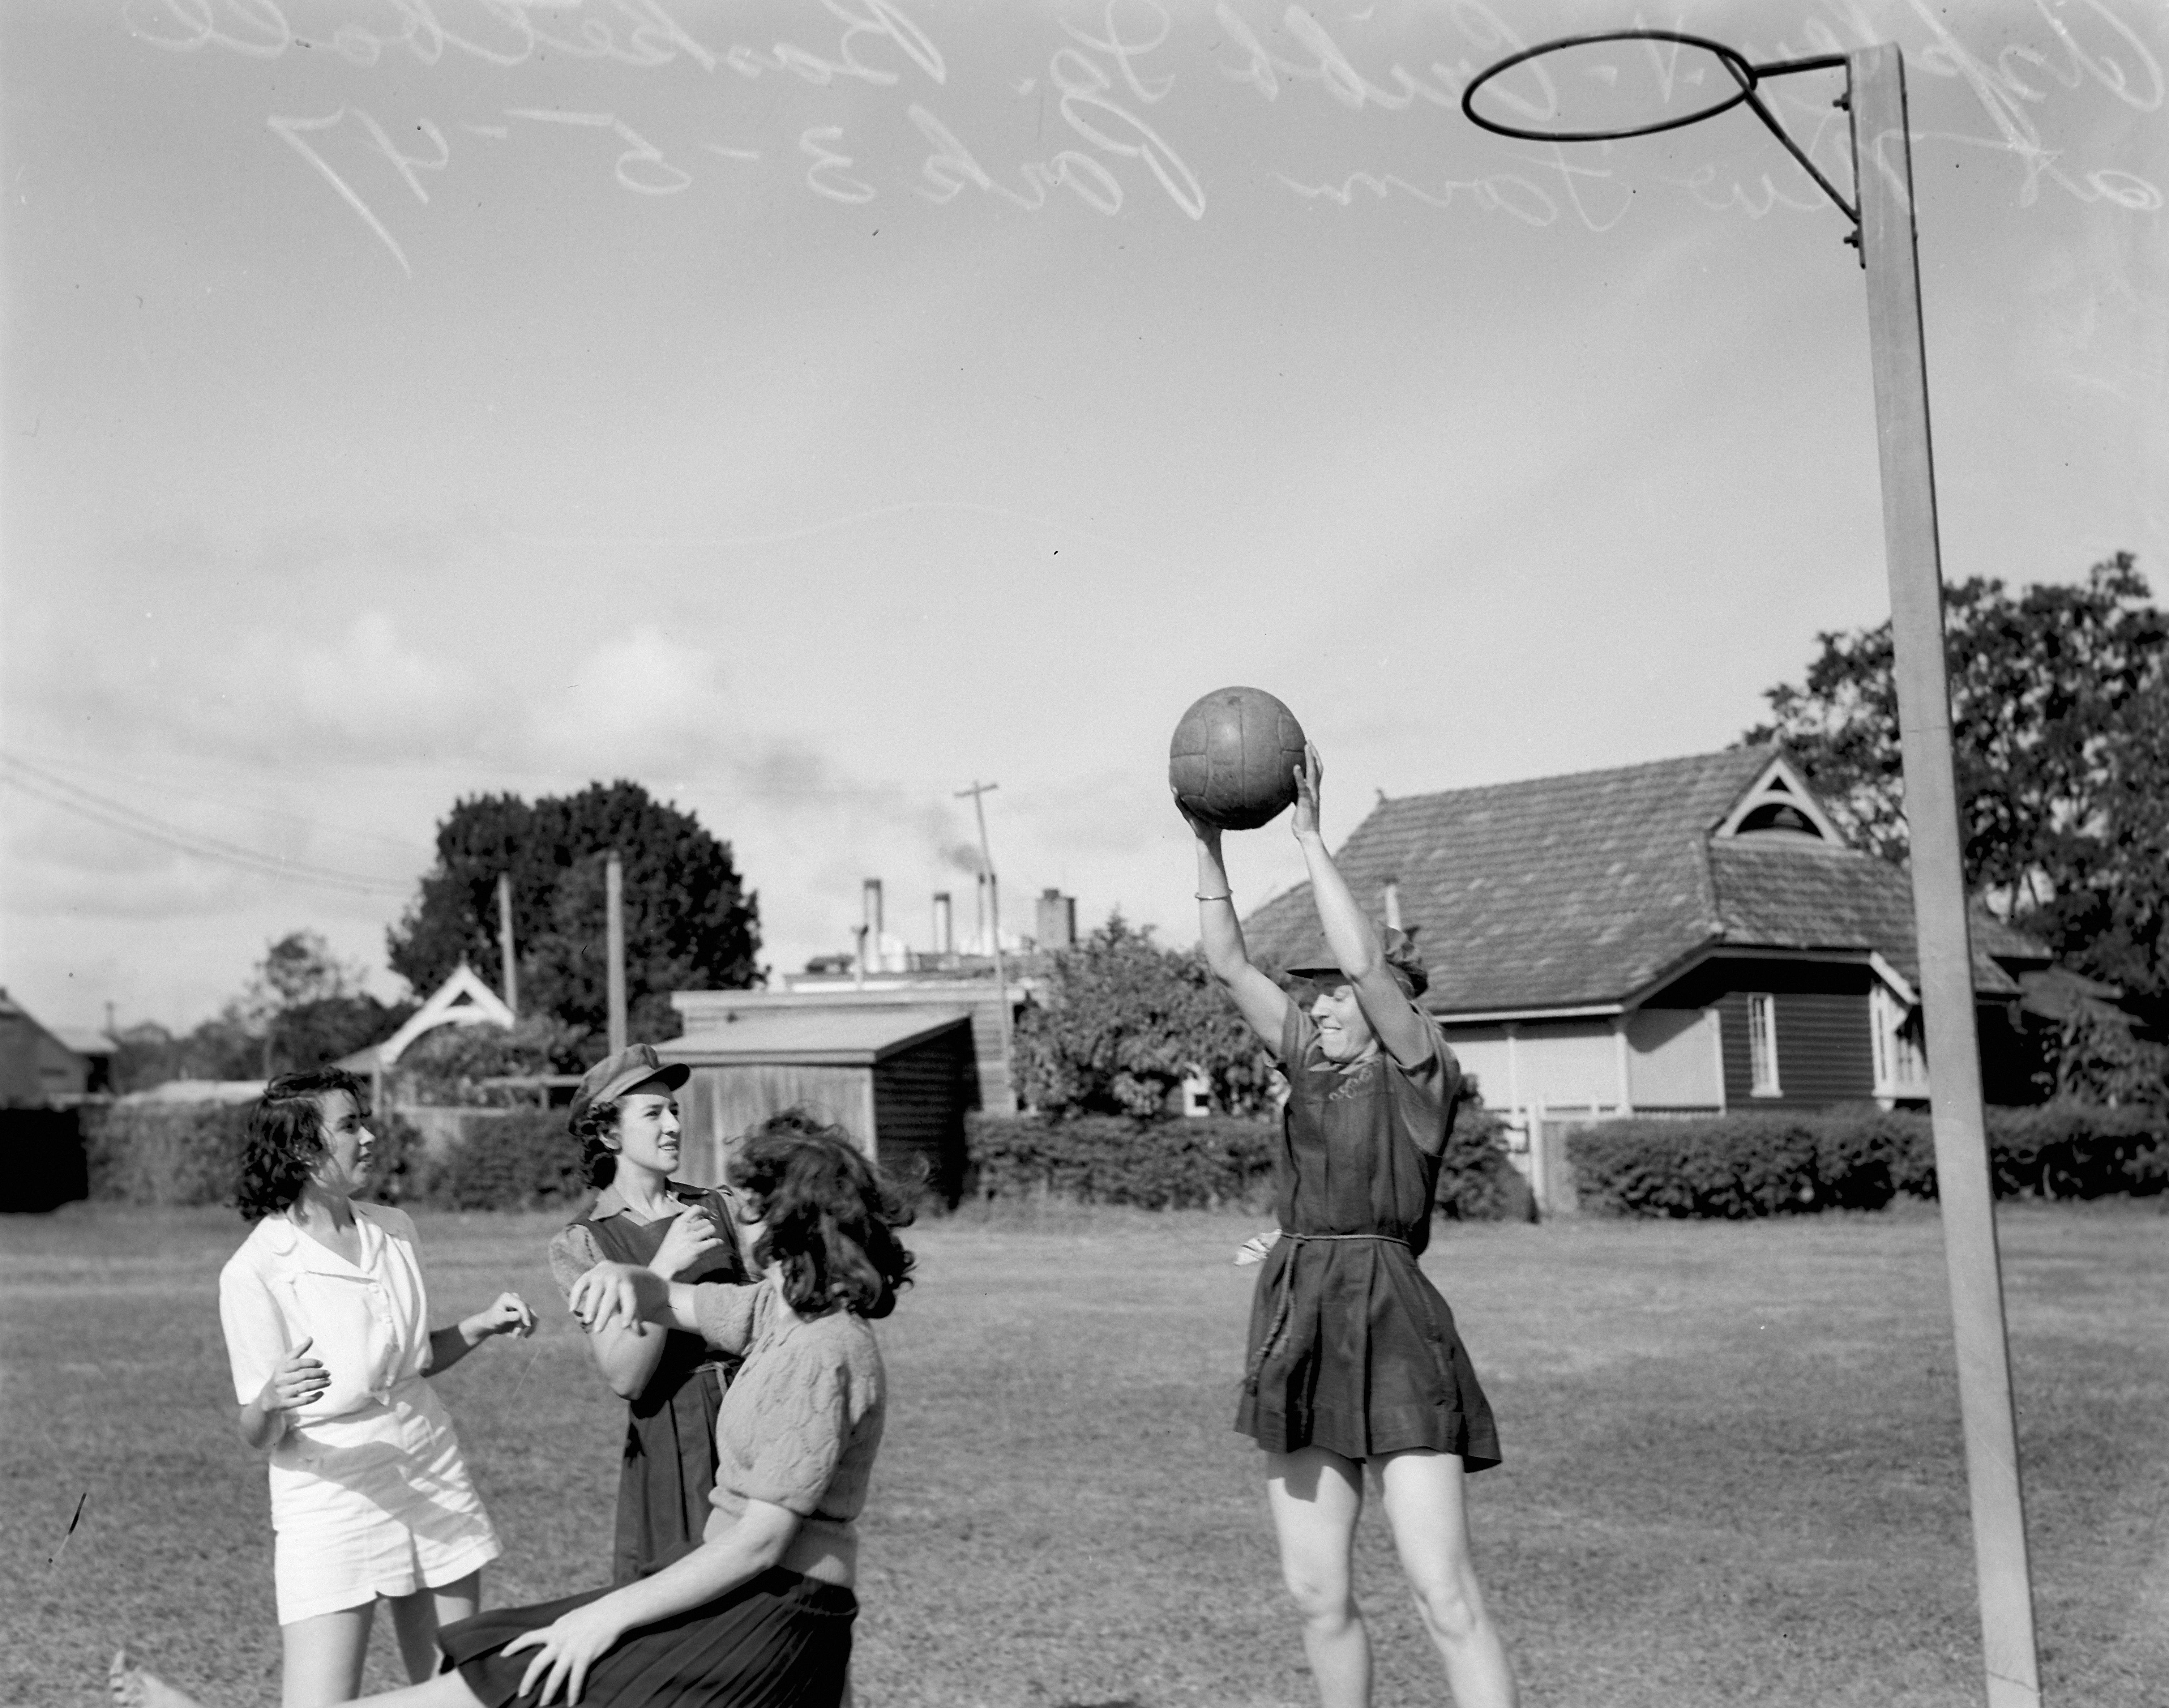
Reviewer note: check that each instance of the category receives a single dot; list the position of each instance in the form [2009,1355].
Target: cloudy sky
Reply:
[807,409]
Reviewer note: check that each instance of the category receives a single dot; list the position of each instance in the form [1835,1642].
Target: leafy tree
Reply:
[2059,717]
[312,1034]
[302,1009]
[688,921]
[1124,1022]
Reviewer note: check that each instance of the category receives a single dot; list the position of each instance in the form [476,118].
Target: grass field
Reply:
[1733,1468]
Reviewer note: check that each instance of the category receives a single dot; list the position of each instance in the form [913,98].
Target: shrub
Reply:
[1476,1182]
[1773,1163]
[1182,1162]
[523,1159]
[190,1153]
[1173,1164]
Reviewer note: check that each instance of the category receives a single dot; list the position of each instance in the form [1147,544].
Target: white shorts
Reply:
[377,1503]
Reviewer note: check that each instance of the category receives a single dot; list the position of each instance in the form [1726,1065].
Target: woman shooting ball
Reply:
[1353,1358]
[327,1328]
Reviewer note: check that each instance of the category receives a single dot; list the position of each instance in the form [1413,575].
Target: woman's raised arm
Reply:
[1261,1003]
[1350,936]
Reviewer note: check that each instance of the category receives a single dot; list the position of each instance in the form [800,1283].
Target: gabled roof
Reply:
[1585,890]
[815,1036]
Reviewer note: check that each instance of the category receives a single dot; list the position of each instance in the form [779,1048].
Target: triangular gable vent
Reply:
[1780,806]
[462,1000]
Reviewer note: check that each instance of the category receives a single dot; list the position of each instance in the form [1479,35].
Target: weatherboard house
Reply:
[1683,939]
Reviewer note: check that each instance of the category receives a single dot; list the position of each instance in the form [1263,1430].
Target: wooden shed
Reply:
[899,1079]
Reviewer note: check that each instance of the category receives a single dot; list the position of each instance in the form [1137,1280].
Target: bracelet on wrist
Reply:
[1222,895]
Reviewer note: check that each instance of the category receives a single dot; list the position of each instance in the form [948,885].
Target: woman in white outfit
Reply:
[327,1327]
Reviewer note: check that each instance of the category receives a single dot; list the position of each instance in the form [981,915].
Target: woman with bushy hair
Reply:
[758,1613]
[326,1330]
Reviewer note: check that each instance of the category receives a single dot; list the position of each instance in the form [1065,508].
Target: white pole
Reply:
[614,901]
[977,791]
[1883,170]
[505,945]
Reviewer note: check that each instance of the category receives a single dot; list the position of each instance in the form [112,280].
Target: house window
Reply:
[1901,1066]
[1762,1042]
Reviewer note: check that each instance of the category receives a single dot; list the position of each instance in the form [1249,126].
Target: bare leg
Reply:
[1423,1495]
[1316,1498]
[131,1687]
[418,1617]
[324,1656]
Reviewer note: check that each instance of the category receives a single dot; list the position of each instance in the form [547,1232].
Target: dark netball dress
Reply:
[669,1466]
[1351,1348]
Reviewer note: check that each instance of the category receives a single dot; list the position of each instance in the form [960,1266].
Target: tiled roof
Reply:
[1796,898]
[1561,892]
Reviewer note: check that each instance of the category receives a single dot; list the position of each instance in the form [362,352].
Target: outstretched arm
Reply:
[611,1295]
[1350,936]
[1260,1002]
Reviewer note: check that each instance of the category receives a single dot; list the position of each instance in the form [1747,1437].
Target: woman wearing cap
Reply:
[1353,1358]
[625,1114]
[327,1328]
[758,1613]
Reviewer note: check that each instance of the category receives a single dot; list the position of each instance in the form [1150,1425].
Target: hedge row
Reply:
[190,1154]
[1761,1164]
[1185,1163]
[523,1160]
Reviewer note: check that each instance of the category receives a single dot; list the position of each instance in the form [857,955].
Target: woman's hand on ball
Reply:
[1205,833]
[1307,777]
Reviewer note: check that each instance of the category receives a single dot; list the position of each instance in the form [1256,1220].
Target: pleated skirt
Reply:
[780,1641]
[1352,1349]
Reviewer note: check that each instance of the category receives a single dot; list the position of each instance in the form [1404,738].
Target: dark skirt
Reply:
[670,1463]
[781,1640]
[1352,1349]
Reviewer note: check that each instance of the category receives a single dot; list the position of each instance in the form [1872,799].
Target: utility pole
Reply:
[614,899]
[504,946]
[978,792]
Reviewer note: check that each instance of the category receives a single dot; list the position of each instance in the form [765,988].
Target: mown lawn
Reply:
[1733,1466]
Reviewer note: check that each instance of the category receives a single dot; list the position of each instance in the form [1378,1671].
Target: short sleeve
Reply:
[728,1314]
[1298,1037]
[801,1438]
[573,1252]
[1425,1097]
[255,1332]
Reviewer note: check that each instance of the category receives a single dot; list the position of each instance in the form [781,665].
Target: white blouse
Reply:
[368,1321]
[370,1492]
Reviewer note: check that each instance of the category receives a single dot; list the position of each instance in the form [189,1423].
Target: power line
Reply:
[119,773]
[116,816]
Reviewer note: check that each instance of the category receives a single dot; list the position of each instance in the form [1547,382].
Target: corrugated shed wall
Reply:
[721,1103]
[920,1094]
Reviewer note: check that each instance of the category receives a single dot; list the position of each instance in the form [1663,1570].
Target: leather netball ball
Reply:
[1234,756]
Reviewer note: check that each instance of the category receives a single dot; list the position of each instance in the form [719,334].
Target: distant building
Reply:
[38,1068]
[1680,938]
[898,1072]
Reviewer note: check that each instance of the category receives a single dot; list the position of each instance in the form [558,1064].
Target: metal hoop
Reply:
[1748,76]
[1735,61]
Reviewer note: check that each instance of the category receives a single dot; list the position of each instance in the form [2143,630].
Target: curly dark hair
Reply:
[829,1217]
[597,1162]
[285,1138]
